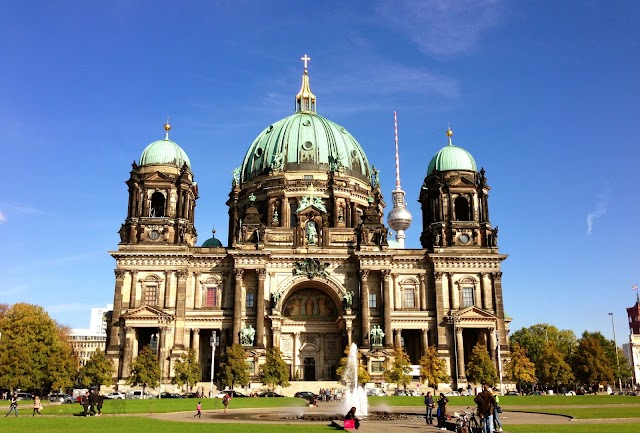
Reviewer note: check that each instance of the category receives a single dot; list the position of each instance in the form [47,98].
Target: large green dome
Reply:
[164,152]
[305,141]
[452,157]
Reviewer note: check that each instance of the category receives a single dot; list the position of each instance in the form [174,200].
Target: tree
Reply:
[552,369]
[398,368]
[363,374]
[98,370]
[145,370]
[35,352]
[611,351]
[591,363]
[234,367]
[187,370]
[433,369]
[520,369]
[535,338]
[275,372]
[480,368]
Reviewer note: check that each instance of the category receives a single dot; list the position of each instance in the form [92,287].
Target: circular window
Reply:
[306,122]
[344,131]
[258,153]
[464,238]
[307,145]
[270,128]
[354,154]
[154,235]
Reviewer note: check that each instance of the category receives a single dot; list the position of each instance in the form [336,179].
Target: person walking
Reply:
[37,405]
[99,402]
[84,401]
[497,425]
[13,406]
[225,401]
[93,401]
[428,402]
[486,403]
[199,410]
[442,411]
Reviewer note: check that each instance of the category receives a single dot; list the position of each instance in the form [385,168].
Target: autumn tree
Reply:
[187,370]
[397,369]
[363,374]
[98,370]
[480,368]
[145,370]
[552,369]
[433,369]
[275,372]
[534,339]
[591,363]
[615,355]
[520,369]
[35,352]
[234,367]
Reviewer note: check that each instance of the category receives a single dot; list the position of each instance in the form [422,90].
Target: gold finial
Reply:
[167,128]
[449,132]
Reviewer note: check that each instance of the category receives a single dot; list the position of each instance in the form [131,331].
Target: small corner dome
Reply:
[452,157]
[164,152]
[212,242]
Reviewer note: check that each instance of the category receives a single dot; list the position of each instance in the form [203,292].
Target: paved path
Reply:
[272,415]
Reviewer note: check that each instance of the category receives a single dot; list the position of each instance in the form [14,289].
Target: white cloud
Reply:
[3,217]
[442,27]
[601,209]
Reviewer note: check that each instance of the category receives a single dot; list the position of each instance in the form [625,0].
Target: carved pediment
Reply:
[312,209]
[147,312]
[476,314]
[158,175]
[462,181]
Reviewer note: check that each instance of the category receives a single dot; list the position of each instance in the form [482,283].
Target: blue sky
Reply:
[544,94]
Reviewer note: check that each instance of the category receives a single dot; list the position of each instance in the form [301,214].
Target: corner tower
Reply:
[162,197]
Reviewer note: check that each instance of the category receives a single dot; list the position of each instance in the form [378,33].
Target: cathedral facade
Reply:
[309,265]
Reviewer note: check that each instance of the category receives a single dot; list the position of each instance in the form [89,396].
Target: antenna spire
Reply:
[395,126]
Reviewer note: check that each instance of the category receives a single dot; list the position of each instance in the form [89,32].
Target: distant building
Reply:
[632,349]
[86,341]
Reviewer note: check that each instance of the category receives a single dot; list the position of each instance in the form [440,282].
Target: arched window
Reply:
[409,290]
[462,209]
[157,205]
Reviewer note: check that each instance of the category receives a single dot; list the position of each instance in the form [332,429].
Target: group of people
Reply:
[226,399]
[328,394]
[13,405]
[488,409]
[90,401]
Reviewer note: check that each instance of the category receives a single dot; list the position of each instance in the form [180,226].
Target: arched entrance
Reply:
[312,331]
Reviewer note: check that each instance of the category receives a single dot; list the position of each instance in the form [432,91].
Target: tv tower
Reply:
[399,218]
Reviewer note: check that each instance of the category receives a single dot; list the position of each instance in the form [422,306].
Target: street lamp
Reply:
[213,341]
[453,319]
[616,350]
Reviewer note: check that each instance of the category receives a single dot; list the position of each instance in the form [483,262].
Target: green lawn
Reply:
[590,413]
[574,428]
[137,424]
[529,400]
[160,405]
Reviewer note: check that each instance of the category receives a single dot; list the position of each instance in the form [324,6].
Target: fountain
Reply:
[355,395]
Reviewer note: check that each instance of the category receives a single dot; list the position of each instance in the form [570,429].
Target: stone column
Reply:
[168,285]
[294,359]
[454,293]
[198,291]
[440,309]
[162,342]
[423,293]
[386,288]
[181,301]
[127,356]
[259,341]
[195,340]
[237,306]
[349,326]
[364,306]
[425,340]
[492,343]
[114,334]
[398,338]
[460,349]
[485,289]
[134,289]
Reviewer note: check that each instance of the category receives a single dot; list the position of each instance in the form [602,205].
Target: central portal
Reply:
[312,332]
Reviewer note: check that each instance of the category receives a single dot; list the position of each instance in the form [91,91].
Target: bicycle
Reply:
[468,423]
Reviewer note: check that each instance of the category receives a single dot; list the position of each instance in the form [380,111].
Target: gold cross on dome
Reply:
[305,59]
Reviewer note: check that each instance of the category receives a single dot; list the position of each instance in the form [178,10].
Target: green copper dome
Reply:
[452,157]
[305,141]
[212,242]
[164,152]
